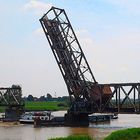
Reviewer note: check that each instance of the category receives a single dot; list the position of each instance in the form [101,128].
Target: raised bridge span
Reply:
[86,94]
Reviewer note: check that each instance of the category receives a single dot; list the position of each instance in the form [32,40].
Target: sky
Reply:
[108,31]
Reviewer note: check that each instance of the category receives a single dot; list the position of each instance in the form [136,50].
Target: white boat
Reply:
[115,116]
[28,117]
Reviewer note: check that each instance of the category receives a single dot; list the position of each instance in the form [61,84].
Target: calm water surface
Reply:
[97,131]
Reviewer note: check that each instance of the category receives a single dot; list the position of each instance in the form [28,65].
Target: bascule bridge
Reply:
[86,94]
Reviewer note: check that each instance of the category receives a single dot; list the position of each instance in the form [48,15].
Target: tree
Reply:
[42,98]
[49,97]
[30,98]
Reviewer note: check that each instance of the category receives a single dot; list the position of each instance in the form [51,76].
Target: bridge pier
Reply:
[11,99]
[13,113]
[80,119]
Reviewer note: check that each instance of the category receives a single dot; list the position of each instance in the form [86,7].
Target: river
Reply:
[16,131]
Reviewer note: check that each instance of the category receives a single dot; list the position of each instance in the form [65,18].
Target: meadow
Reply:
[2,109]
[45,105]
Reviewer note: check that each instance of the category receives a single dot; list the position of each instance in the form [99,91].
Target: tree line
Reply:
[47,97]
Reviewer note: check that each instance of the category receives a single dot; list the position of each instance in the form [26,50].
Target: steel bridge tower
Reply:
[69,55]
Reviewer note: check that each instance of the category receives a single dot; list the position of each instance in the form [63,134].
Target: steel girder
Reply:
[11,96]
[125,98]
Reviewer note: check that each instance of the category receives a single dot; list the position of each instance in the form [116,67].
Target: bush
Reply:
[127,134]
[61,105]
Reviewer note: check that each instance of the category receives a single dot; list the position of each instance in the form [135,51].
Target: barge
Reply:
[60,120]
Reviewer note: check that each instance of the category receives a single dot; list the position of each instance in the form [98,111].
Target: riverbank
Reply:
[126,134]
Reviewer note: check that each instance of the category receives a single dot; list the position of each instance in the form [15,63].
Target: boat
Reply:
[115,116]
[28,117]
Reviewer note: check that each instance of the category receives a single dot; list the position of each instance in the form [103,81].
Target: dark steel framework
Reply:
[77,74]
[68,54]
[11,97]
[125,98]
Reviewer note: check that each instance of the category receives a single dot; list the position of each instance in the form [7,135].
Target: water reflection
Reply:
[95,133]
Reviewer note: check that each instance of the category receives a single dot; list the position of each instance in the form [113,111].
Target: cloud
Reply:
[37,7]
[129,6]
[112,58]
[85,37]
[125,3]
[124,39]
[39,32]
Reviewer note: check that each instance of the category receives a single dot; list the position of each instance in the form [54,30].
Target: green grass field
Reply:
[73,138]
[127,134]
[38,105]
[49,105]
[2,109]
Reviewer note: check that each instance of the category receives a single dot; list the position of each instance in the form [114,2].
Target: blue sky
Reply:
[108,31]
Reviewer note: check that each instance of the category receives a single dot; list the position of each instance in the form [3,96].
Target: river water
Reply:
[16,131]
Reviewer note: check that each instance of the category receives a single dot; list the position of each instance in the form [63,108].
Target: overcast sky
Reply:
[108,31]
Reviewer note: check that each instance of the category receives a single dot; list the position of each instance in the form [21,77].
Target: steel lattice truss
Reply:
[68,53]
[11,96]
[125,98]
[86,94]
